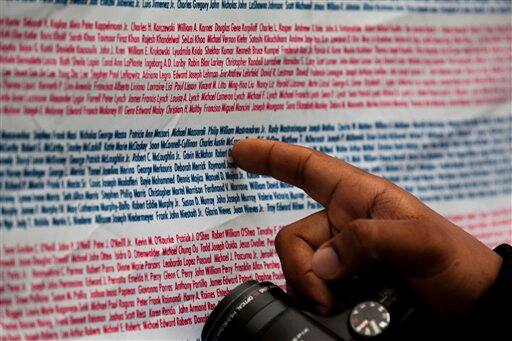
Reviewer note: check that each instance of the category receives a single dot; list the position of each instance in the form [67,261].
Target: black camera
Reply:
[366,309]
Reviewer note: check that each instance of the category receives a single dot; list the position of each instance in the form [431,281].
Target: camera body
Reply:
[373,308]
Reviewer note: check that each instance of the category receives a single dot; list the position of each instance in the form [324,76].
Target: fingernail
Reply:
[325,263]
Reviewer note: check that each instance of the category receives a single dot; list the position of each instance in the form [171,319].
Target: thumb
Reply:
[412,247]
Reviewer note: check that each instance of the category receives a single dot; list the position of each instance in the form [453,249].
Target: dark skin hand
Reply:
[366,221]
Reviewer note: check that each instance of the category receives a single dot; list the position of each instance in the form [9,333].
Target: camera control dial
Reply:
[369,319]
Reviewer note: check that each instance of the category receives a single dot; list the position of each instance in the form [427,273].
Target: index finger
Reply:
[321,176]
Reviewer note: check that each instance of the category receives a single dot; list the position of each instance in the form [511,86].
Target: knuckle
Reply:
[393,202]
[378,183]
[386,189]
[282,238]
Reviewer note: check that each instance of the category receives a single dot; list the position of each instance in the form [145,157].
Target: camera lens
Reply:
[260,311]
